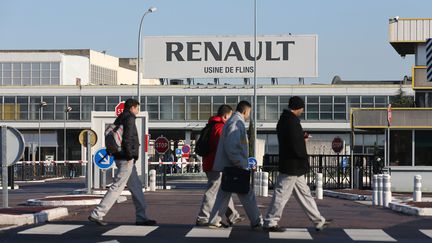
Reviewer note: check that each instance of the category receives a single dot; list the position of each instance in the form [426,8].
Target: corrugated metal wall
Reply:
[406,30]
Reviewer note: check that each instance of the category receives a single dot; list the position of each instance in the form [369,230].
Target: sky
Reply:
[352,34]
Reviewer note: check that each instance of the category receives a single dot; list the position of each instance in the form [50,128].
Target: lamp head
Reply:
[68,109]
[42,104]
[152,9]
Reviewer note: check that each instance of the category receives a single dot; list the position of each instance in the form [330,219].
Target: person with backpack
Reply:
[293,166]
[210,139]
[126,171]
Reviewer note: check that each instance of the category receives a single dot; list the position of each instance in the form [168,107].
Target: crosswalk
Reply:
[378,235]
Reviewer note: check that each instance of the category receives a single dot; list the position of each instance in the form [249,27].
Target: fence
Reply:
[336,170]
[29,170]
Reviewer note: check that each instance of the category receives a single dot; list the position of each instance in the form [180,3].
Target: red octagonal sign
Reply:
[161,145]
[119,108]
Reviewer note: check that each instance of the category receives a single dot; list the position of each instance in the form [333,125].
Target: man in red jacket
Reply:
[214,177]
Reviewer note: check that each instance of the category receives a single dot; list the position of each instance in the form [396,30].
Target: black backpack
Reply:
[202,147]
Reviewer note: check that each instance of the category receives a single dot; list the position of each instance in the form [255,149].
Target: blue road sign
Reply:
[178,152]
[252,163]
[102,159]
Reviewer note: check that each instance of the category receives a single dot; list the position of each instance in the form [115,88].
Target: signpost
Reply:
[178,152]
[252,163]
[119,108]
[11,150]
[186,150]
[88,138]
[161,145]
[104,161]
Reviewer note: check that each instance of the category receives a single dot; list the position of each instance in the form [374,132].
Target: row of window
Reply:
[30,73]
[101,75]
[179,108]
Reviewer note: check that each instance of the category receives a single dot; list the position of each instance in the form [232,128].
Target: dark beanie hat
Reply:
[296,103]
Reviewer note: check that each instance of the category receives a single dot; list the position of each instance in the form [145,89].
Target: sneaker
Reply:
[147,222]
[218,226]
[235,221]
[201,223]
[97,221]
[275,228]
[324,225]
[258,228]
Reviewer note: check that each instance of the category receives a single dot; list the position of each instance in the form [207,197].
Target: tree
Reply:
[402,100]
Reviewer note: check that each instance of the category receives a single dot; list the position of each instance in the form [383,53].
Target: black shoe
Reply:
[201,223]
[235,221]
[147,222]
[274,229]
[325,225]
[97,221]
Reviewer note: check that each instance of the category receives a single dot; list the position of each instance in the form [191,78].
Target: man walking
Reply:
[214,177]
[233,151]
[126,173]
[293,165]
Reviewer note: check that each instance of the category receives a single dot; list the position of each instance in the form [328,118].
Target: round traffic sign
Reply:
[13,142]
[119,108]
[178,152]
[161,145]
[83,137]
[337,145]
[102,159]
[252,163]
[186,149]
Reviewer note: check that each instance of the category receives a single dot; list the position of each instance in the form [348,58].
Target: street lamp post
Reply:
[255,107]
[42,104]
[67,110]
[150,10]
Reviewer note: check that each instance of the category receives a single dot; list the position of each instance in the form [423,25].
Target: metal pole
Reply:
[255,108]
[4,167]
[64,139]
[89,165]
[39,135]
[139,57]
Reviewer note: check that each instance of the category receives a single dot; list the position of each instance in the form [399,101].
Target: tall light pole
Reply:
[150,10]
[67,110]
[42,104]
[255,108]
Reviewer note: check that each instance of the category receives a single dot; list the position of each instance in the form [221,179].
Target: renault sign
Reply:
[230,56]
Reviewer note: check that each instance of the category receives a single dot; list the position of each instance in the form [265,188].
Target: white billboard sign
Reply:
[230,56]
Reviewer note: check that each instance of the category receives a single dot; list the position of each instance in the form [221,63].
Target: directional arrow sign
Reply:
[102,159]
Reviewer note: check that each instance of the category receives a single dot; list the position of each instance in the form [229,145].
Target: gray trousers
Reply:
[285,186]
[248,201]
[126,175]
[209,198]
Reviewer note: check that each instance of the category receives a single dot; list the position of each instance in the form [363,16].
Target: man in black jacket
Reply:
[126,173]
[293,165]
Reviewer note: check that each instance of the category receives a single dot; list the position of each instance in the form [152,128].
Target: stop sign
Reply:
[161,145]
[119,108]
[337,145]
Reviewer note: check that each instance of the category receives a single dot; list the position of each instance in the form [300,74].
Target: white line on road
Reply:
[51,229]
[131,230]
[209,233]
[368,235]
[291,234]
[427,232]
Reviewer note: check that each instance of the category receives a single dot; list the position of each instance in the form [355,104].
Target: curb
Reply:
[410,210]
[42,216]
[16,187]
[347,196]
[41,181]
[78,202]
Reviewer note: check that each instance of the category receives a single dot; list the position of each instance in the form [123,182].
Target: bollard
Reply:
[319,186]
[417,195]
[257,183]
[264,184]
[152,174]
[380,189]
[387,195]
[375,190]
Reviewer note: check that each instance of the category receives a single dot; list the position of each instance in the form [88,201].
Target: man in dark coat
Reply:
[293,165]
[126,173]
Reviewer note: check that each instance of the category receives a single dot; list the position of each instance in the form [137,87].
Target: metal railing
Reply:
[336,170]
[29,170]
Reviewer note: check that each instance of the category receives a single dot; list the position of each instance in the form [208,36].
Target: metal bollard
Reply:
[387,195]
[264,184]
[375,190]
[152,181]
[256,184]
[380,190]
[319,186]
[417,195]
